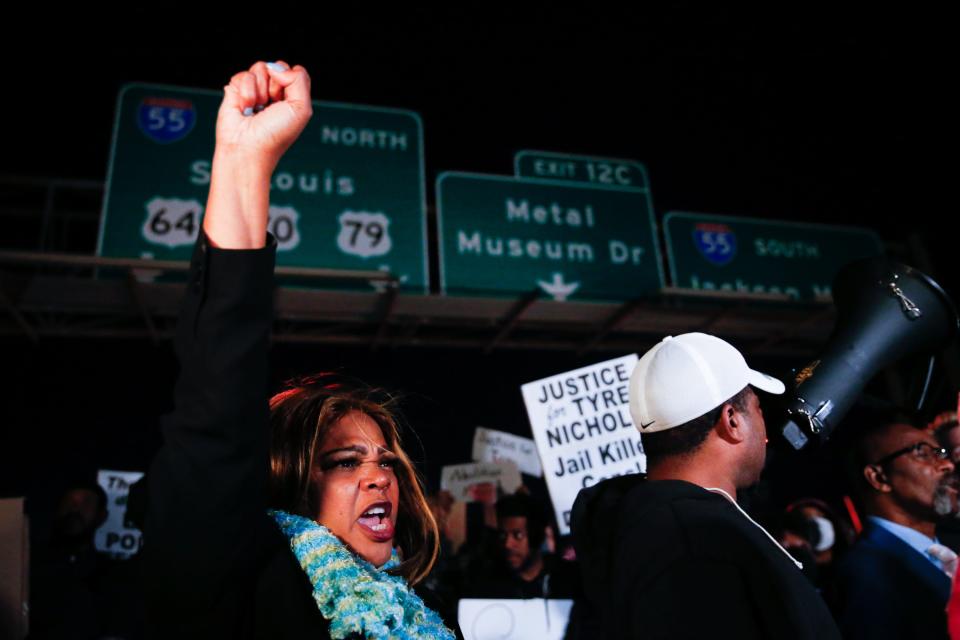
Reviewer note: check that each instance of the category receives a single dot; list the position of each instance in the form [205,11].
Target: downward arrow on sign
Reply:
[557,288]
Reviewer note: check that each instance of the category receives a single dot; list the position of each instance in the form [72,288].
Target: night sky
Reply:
[810,114]
[833,117]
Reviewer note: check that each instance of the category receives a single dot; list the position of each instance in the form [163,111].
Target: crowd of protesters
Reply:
[671,554]
[883,563]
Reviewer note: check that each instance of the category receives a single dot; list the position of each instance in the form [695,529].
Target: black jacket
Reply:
[669,559]
[557,579]
[215,565]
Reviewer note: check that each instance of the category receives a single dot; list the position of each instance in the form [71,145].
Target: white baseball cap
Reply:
[683,377]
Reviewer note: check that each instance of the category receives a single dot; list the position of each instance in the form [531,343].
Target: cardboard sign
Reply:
[513,619]
[582,426]
[113,537]
[458,478]
[14,569]
[490,445]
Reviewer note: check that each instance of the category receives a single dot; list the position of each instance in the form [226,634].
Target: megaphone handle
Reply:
[911,310]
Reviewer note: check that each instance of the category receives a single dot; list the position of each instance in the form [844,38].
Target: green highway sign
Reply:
[504,236]
[761,256]
[349,194]
[561,166]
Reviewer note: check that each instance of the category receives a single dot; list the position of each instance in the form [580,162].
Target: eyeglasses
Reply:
[921,451]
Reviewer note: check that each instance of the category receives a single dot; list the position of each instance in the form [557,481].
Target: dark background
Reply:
[810,113]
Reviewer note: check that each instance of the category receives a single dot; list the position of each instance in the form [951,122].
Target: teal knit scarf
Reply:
[356,597]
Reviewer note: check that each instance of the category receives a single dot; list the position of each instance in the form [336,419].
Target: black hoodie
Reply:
[669,559]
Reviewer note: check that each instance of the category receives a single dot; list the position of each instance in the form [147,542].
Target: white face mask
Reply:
[827,534]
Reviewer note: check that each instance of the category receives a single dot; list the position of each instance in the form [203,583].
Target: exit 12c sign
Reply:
[613,172]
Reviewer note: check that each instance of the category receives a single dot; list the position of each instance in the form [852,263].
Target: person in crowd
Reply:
[672,555]
[944,428]
[810,525]
[316,527]
[833,536]
[77,592]
[800,536]
[81,510]
[468,544]
[524,566]
[895,581]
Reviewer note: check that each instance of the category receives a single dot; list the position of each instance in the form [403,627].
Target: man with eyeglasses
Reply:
[895,581]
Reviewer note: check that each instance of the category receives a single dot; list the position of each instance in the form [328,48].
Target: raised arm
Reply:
[207,483]
[250,142]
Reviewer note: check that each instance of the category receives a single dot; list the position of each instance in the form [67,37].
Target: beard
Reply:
[944,497]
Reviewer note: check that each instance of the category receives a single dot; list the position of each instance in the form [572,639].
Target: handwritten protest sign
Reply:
[490,445]
[458,478]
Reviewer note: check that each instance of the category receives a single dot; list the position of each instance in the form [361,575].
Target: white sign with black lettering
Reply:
[513,619]
[490,445]
[173,222]
[364,233]
[282,222]
[458,478]
[582,426]
[113,537]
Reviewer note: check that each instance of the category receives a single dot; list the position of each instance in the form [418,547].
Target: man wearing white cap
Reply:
[672,555]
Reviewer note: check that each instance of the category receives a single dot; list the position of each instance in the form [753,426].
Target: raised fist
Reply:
[263,111]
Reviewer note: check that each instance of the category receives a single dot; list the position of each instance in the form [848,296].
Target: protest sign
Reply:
[490,445]
[513,619]
[14,569]
[458,478]
[582,426]
[113,536]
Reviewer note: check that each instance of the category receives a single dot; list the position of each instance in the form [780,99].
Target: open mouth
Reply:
[377,522]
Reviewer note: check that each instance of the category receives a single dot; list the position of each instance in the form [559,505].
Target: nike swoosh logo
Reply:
[644,426]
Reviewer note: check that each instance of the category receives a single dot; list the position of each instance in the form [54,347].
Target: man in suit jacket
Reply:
[896,579]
